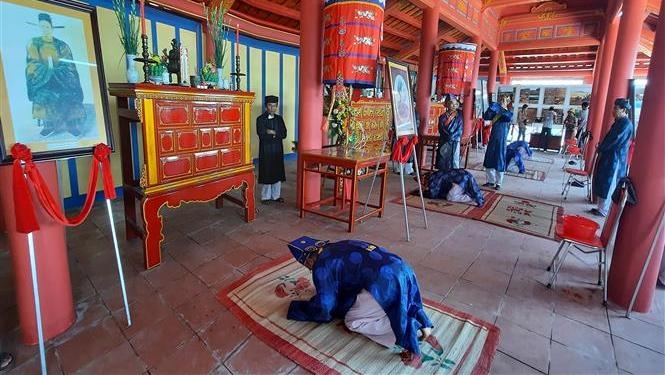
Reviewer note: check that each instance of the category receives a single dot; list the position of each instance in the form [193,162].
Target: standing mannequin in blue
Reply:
[451,123]
[495,155]
[373,290]
[612,160]
[271,130]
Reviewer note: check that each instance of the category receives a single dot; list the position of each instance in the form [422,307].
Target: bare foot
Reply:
[433,342]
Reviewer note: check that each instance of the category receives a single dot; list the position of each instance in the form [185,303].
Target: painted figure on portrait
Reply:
[53,83]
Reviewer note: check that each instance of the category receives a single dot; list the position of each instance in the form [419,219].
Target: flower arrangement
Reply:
[342,123]
[129,25]
[217,30]
[209,72]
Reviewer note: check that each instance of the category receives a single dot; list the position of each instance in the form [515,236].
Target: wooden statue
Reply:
[173,65]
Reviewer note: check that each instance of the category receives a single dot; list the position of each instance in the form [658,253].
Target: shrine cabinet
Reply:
[181,144]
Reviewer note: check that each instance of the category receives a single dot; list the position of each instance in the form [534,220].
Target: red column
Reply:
[491,76]
[639,223]
[55,289]
[599,95]
[429,29]
[310,94]
[625,54]
[468,96]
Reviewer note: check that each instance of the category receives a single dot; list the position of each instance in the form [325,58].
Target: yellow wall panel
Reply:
[165,33]
[63,178]
[188,40]
[289,93]
[256,77]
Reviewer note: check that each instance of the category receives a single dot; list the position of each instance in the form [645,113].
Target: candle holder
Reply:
[237,74]
[145,59]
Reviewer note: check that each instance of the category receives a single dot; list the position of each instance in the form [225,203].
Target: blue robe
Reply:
[513,151]
[440,183]
[612,160]
[346,267]
[495,155]
[449,139]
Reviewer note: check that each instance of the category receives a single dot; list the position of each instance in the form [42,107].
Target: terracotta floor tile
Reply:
[179,291]
[253,358]
[160,339]
[32,365]
[503,364]
[143,313]
[528,315]
[89,344]
[637,331]
[225,335]
[201,311]
[137,288]
[119,360]
[216,271]
[436,282]
[588,340]
[493,281]
[593,314]
[474,295]
[566,360]
[525,346]
[190,358]
[637,359]
[478,312]
[167,271]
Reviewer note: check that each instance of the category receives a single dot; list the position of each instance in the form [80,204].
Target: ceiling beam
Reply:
[396,10]
[543,62]
[505,3]
[399,33]
[414,48]
[553,54]
[552,43]
[274,8]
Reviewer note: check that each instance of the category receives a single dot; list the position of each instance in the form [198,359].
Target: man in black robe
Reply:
[271,130]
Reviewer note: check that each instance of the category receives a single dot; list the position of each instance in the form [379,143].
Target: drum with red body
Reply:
[455,67]
[352,41]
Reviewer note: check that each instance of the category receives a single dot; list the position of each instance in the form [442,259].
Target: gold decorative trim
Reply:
[224,98]
[198,180]
[138,104]
[143,181]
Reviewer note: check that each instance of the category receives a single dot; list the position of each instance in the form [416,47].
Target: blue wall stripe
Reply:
[73,176]
[134,138]
[263,80]
[247,76]
[295,138]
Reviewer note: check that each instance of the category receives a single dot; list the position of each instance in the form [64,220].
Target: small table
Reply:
[347,168]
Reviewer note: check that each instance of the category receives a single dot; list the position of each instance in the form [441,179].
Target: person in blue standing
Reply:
[612,159]
[495,155]
[373,290]
[451,124]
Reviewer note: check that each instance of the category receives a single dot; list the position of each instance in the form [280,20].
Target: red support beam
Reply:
[272,7]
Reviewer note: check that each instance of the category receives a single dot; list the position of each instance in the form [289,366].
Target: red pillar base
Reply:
[55,291]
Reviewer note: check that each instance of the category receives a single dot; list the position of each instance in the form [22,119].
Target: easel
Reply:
[420,190]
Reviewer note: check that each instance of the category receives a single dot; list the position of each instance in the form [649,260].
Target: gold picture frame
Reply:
[401,99]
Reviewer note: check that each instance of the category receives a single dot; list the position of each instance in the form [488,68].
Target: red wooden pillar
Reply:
[55,289]
[639,223]
[599,93]
[491,76]
[625,54]
[310,92]
[468,95]
[430,25]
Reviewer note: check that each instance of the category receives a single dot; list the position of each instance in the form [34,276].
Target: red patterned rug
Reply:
[520,214]
[261,299]
[530,172]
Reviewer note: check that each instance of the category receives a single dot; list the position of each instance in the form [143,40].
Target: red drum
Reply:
[455,67]
[351,41]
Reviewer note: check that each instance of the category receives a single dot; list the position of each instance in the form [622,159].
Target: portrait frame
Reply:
[60,118]
[401,98]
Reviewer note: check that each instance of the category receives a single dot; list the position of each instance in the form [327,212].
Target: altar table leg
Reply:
[153,231]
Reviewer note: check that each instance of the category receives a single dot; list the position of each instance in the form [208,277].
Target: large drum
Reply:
[455,67]
[351,41]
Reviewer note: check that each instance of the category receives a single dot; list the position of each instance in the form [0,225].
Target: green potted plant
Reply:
[209,74]
[157,69]
[217,31]
[125,13]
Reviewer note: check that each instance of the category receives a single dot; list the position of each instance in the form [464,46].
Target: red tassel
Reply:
[403,149]
[26,221]
[102,154]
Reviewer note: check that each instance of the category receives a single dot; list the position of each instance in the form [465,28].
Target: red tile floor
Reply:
[180,328]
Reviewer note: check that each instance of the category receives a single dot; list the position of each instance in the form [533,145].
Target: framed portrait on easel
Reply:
[400,96]
[52,77]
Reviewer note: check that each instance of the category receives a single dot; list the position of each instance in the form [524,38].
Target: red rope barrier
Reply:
[26,221]
[403,148]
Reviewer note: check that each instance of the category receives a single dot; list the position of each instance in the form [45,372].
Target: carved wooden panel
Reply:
[204,114]
[176,166]
[172,113]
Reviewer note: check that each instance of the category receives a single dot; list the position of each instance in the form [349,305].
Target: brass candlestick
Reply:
[145,59]
[237,73]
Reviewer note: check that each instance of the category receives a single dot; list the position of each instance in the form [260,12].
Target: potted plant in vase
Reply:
[129,34]
[157,69]
[209,74]
[217,31]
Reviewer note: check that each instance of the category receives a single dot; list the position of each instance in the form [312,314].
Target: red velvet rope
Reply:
[26,216]
[403,148]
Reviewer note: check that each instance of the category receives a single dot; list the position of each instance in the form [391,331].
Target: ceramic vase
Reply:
[220,79]
[166,79]
[132,72]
